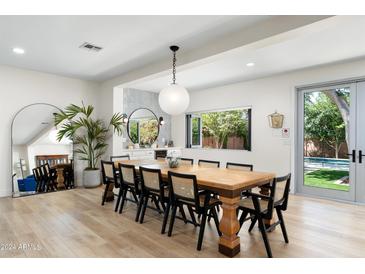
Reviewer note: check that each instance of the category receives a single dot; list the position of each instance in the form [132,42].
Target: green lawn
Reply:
[325,178]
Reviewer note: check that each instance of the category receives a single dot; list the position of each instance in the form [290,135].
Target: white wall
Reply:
[46,149]
[19,88]
[269,151]
[20,152]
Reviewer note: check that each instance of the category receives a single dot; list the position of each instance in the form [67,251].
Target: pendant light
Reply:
[174,99]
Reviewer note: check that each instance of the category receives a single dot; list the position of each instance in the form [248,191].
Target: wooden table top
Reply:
[229,182]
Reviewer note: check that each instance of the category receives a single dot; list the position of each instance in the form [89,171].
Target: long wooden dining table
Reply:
[228,183]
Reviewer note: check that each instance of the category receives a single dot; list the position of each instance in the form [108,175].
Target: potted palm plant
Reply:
[89,136]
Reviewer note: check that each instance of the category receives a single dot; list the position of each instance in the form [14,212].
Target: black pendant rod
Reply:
[174,49]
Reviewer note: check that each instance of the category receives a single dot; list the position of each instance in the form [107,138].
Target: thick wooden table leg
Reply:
[60,179]
[229,242]
[267,222]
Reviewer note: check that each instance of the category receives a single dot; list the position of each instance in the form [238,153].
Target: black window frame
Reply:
[188,127]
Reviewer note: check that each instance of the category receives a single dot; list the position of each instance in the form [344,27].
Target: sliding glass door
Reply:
[327,142]
[360,143]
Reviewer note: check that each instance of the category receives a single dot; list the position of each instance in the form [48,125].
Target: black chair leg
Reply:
[119,197]
[143,210]
[282,224]
[209,216]
[104,196]
[134,195]
[124,198]
[216,220]
[156,203]
[252,225]
[243,217]
[162,205]
[165,218]
[201,231]
[140,203]
[182,212]
[192,215]
[172,220]
[264,236]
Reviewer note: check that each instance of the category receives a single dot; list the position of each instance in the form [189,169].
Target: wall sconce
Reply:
[276,120]
[124,118]
[161,122]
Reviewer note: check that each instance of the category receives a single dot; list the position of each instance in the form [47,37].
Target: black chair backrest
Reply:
[151,181]
[45,172]
[37,175]
[184,187]
[121,157]
[209,163]
[238,166]
[282,191]
[128,175]
[187,160]
[278,196]
[108,172]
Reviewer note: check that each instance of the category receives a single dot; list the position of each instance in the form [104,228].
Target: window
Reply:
[143,131]
[225,129]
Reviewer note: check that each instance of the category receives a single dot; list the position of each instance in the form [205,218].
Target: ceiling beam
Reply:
[258,35]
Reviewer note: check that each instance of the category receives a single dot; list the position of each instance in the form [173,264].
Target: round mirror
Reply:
[40,163]
[143,127]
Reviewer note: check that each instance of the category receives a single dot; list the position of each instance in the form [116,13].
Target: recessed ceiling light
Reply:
[18,50]
[250,64]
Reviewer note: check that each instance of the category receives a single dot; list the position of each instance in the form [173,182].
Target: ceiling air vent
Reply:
[90,47]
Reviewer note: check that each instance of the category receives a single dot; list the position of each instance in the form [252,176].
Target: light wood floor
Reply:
[73,224]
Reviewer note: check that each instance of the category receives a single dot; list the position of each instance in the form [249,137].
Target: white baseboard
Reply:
[5,193]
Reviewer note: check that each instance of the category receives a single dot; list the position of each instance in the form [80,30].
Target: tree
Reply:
[341,97]
[88,134]
[323,120]
[223,124]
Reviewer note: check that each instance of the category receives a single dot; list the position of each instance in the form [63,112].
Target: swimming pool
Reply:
[313,163]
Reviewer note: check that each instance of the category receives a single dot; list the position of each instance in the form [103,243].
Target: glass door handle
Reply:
[353,156]
[360,156]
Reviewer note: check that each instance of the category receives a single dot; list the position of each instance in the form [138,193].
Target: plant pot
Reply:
[91,178]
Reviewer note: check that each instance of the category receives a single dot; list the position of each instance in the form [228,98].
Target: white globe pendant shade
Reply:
[174,99]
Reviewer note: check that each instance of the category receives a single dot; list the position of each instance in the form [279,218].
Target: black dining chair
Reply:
[239,166]
[260,207]
[184,191]
[187,161]
[49,176]
[120,158]
[38,178]
[109,176]
[152,187]
[68,175]
[129,182]
[208,163]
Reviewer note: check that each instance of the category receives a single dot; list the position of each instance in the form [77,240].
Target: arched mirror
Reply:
[39,162]
[143,127]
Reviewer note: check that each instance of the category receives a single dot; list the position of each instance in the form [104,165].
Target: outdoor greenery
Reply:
[326,178]
[134,131]
[148,130]
[224,124]
[323,120]
[143,131]
[89,135]
[195,124]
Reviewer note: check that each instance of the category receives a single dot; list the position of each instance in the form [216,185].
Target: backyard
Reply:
[326,115]
[327,178]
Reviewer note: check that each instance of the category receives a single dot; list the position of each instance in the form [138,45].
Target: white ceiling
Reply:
[129,42]
[31,123]
[338,39]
